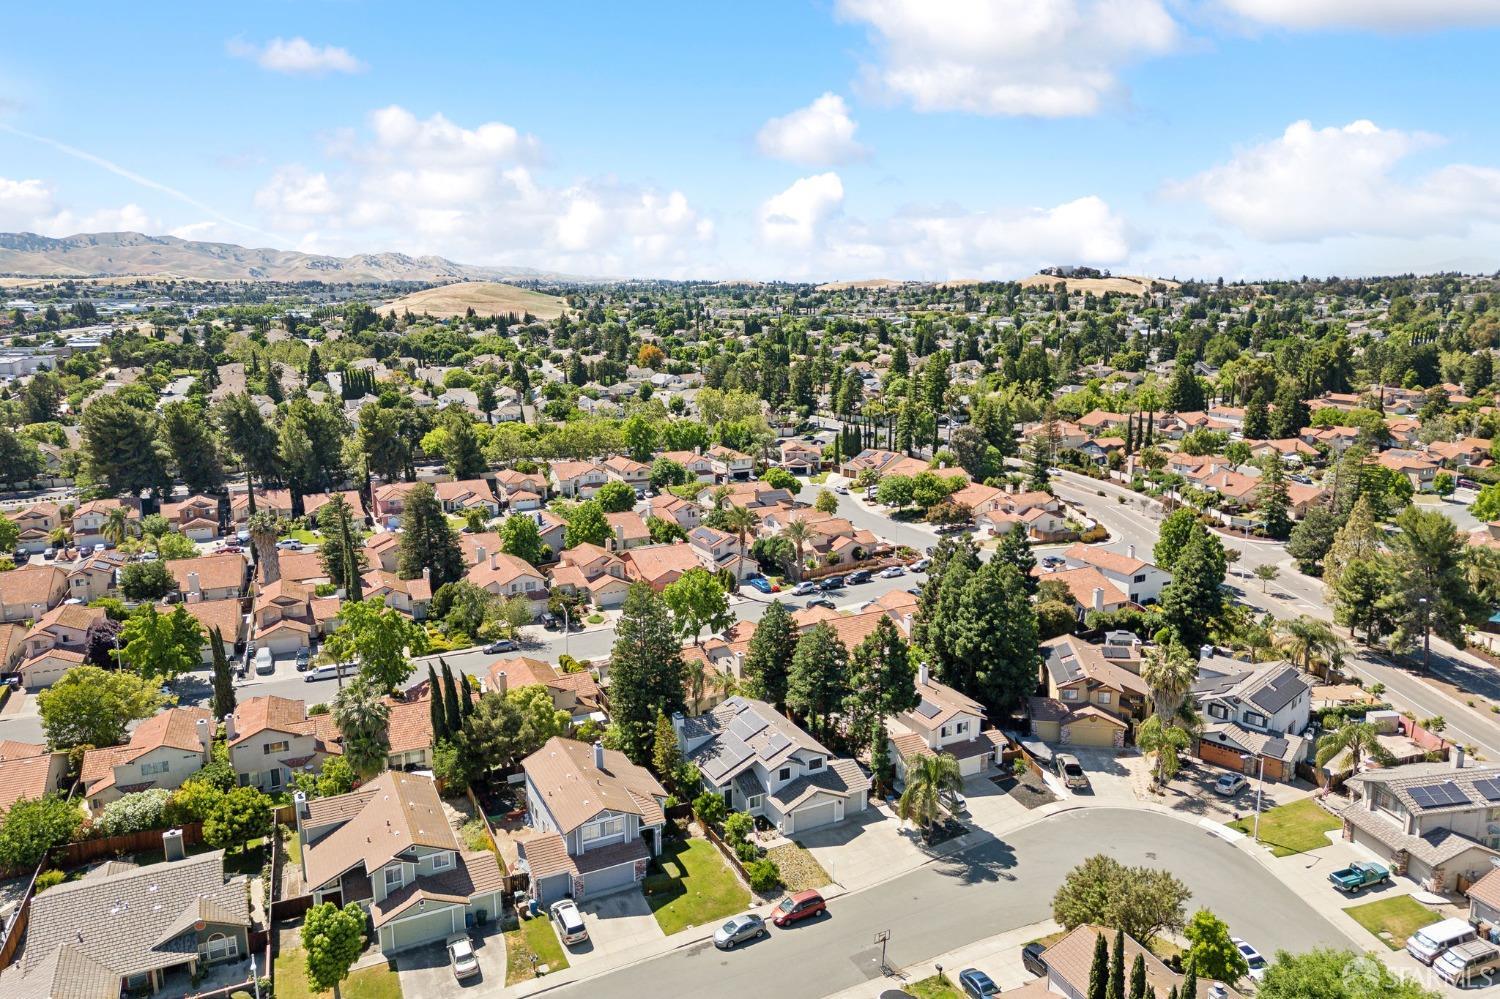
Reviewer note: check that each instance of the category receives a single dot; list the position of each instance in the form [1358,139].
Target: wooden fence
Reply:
[15,930]
[89,850]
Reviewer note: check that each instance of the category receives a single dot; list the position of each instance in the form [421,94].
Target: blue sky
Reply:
[825,139]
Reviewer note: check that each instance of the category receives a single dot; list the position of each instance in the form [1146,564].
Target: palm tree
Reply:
[927,777]
[117,526]
[799,534]
[741,520]
[264,530]
[1168,672]
[1359,740]
[362,715]
[1304,639]
[1166,739]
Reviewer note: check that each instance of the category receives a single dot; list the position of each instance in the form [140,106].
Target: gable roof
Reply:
[391,814]
[1069,660]
[574,790]
[175,728]
[740,731]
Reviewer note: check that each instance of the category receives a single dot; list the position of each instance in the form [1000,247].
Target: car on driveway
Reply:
[841,490]
[891,572]
[1071,772]
[921,564]
[762,584]
[977,984]
[501,645]
[954,802]
[738,930]
[803,589]
[1229,785]
[289,545]
[461,957]
[797,907]
[1252,958]
[821,602]
[1032,960]
[304,659]
[1360,875]
[569,922]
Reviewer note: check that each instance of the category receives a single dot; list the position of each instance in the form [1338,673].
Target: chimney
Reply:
[922,675]
[229,727]
[206,736]
[500,684]
[1205,652]
[494,561]
[739,665]
[598,755]
[1457,756]
[478,554]
[1099,598]
[1130,551]
[678,721]
[193,584]
[906,624]
[620,534]
[172,847]
[427,573]
[299,803]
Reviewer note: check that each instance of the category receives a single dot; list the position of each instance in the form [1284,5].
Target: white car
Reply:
[803,589]
[1229,785]
[461,957]
[841,490]
[891,572]
[1252,958]
[569,922]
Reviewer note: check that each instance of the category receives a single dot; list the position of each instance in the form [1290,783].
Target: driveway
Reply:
[1192,791]
[1110,776]
[618,924]
[865,848]
[424,971]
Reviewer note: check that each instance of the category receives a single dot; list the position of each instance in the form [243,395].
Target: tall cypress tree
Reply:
[1189,987]
[1099,972]
[223,681]
[768,661]
[439,713]
[1138,986]
[450,696]
[1116,988]
[647,672]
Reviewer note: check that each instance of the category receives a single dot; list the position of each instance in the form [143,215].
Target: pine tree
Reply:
[666,754]
[1116,989]
[1276,519]
[427,540]
[819,680]
[647,673]
[1099,971]
[1189,987]
[451,707]
[1015,549]
[1138,987]
[224,702]
[768,660]
[466,701]
[440,732]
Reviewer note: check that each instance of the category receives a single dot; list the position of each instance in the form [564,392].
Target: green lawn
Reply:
[1393,919]
[291,847]
[379,982]
[534,936]
[935,987]
[691,885]
[305,536]
[1295,828]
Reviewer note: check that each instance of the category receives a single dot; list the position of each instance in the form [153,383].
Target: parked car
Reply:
[915,591]
[1032,960]
[501,645]
[330,671]
[891,572]
[762,584]
[821,602]
[857,576]
[977,984]
[921,564]
[265,663]
[569,922]
[289,545]
[954,802]
[1461,965]
[738,930]
[841,490]
[1071,771]
[1429,943]
[551,621]
[49,554]
[1253,958]
[797,907]
[461,957]
[831,583]
[803,589]
[304,659]
[1360,875]
[1052,561]
[1229,785]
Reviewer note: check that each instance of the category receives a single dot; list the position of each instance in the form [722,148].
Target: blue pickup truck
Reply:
[1358,876]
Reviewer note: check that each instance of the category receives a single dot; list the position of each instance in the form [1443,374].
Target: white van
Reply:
[264,662]
[330,671]
[1468,963]
[1428,943]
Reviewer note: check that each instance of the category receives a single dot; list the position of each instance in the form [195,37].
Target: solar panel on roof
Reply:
[1451,794]
[1421,795]
[927,709]
[1489,787]
[746,724]
[776,744]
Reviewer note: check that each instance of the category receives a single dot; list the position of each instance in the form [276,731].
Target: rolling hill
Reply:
[486,298]
[1118,284]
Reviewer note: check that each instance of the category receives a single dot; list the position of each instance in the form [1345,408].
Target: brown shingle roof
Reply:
[32,584]
[574,791]
[397,811]
[214,571]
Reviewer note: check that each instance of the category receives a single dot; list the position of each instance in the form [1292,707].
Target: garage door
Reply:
[282,642]
[1221,756]
[602,882]
[973,765]
[813,816]
[420,929]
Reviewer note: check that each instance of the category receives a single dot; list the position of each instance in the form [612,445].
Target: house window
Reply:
[960,727]
[442,861]
[1103,697]
[604,828]
[276,747]
[1069,694]
[754,801]
[273,778]
[1139,579]
[1218,711]
[943,731]
[785,773]
[152,769]
[1255,718]
[393,877]
[219,947]
[814,765]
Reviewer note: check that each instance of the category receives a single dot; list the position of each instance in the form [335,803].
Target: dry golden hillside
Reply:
[1119,284]
[486,298]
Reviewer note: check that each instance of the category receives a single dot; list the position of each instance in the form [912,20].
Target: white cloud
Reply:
[793,218]
[293,191]
[126,218]
[820,134]
[398,131]
[31,205]
[297,56]
[22,202]
[1317,183]
[1050,58]
[1380,15]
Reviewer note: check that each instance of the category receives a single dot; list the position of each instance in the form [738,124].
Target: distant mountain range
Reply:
[126,254]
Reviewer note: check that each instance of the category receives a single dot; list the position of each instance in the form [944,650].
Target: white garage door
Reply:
[814,816]
[602,882]
[420,929]
[282,642]
[972,766]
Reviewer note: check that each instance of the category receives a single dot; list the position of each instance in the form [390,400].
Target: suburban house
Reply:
[699,465]
[65,626]
[128,930]
[89,520]
[510,482]
[1253,715]
[577,479]
[271,738]
[31,591]
[1090,699]
[596,820]
[629,471]
[467,494]
[164,750]
[411,597]
[575,693]
[409,729]
[196,518]
[593,571]
[388,846]
[686,514]
[390,501]
[660,565]
[383,550]
[1484,899]
[800,457]
[27,770]
[94,577]
[1433,822]
[627,530]
[1088,589]
[764,764]
[730,465]
[35,525]
[225,615]
[284,617]
[945,721]
[210,577]
[1070,959]
[508,576]
[1140,581]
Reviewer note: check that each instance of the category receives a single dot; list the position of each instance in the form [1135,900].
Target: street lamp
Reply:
[1260,783]
[567,628]
[1426,637]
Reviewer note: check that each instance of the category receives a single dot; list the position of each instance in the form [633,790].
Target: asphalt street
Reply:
[994,887]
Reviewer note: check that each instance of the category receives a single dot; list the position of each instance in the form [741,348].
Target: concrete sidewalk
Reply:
[998,956]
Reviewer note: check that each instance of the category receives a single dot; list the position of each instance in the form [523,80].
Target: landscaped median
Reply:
[1393,919]
[691,885]
[1298,827]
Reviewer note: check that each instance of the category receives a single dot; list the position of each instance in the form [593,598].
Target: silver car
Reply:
[461,957]
[569,922]
[739,929]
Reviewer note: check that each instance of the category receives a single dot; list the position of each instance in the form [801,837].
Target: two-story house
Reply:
[388,846]
[1432,822]
[634,474]
[730,465]
[1254,716]
[627,530]
[270,739]
[685,513]
[196,518]
[94,577]
[89,520]
[801,457]
[509,576]
[164,750]
[467,494]
[277,501]
[576,693]
[592,570]
[1140,581]
[210,577]
[283,617]
[31,591]
[1090,700]
[576,479]
[34,526]
[596,820]
[944,721]
[56,644]
[390,502]
[716,549]
[764,764]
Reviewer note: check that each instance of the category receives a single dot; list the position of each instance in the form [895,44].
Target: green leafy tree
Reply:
[461,451]
[520,537]
[1180,526]
[1015,549]
[666,473]
[362,715]
[1359,741]
[819,679]
[310,444]
[1194,598]
[189,441]
[663,531]
[224,700]
[587,526]
[333,939]
[1166,742]
[647,672]
[1311,539]
[1142,901]
[615,497]
[666,753]
[89,706]
[1362,598]
[427,540]
[1359,538]
[930,778]
[146,580]
[240,815]
[336,777]
[768,660]
[1212,952]
[883,682]
[989,635]
[1486,505]
[342,552]
[32,826]
[697,601]
[1431,592]
[161,647]
[826,502]
[380,638]
[1275,502]
[120,447]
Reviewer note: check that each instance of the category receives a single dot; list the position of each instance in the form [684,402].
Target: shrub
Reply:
[746,851]
[1093,534]
[737,827]
[49,879]
[135,812]
[764,875]
[709,808]
[475,836]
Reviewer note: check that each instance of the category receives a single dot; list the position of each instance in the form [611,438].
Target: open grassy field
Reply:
[486,298]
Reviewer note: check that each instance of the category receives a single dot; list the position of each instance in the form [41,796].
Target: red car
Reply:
[794,908]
